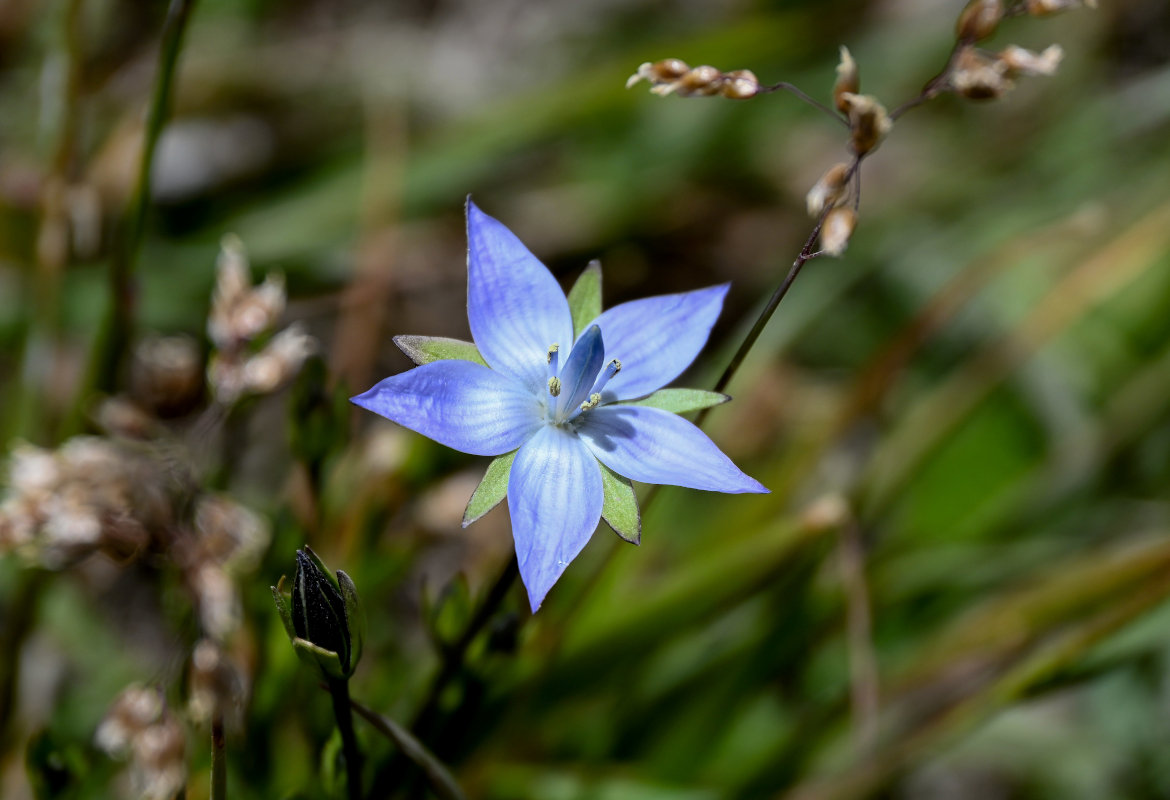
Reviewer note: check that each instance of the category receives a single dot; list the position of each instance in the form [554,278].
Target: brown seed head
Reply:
[868,121]
[739,84]
[827,191]
[848,80]
[978,20]
[838,227]
[1025,62]
[979,76]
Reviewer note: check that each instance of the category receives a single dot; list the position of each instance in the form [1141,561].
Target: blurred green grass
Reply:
[981,382]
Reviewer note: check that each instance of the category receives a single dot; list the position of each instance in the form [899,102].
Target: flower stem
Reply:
[339,693]
[113,341]
[438,775]
[218,759]
[806,254]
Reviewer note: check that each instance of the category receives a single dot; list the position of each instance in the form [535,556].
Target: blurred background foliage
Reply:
[957,585]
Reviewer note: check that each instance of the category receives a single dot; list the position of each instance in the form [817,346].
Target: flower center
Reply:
[575,386]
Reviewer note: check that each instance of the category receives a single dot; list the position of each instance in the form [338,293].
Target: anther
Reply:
[553,359]
[593,401]
[554,386]
[611,369]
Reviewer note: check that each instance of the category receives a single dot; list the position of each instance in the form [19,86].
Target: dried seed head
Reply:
[828,191]
[739,84]
[838,227]
[848,80]
[239,312]
[91,494]
[672,76]
[701,81]
[217,600]
[868,122]
[140,726]
[1025,62]
[664,71]
[979,76]
[217,684]
[1042,8]
[167,376]
[978,20]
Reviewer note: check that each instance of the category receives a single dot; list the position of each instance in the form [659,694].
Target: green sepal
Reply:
[585,297]
[491,490]
[620,506]
[326,662]
[425,349]
[355,618]
[681,401]
[282,607]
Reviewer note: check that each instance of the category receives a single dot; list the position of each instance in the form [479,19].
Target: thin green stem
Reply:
[113,341]
[342,711]
[440,778]
[218,759]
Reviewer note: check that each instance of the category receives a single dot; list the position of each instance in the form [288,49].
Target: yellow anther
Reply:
[554,386]
[593,401]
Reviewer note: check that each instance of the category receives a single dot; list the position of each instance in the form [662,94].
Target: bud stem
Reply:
[339,692]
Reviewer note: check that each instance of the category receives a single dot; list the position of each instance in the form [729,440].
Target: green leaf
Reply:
[681,401]
[425,349]
[355,618]
[326,662]
[585,297]
[620,507]
[491,490]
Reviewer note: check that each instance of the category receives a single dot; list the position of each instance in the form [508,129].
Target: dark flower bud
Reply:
[324,619]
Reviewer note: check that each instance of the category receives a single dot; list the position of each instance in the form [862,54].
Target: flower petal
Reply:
[461,404]
[515,306]
[656,338]
[654,446]
[580,371]
[555,499]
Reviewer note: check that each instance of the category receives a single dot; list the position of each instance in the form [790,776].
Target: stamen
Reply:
[553,360]
[611,369]
[554,386]
[593,401]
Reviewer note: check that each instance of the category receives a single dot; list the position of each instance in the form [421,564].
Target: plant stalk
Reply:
[342,711]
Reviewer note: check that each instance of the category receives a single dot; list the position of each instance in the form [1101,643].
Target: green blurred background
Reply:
[956,587]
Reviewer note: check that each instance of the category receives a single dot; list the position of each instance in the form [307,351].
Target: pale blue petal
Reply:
[580,371]
[515,306]
[655,446]
[461,404]
[656,338]
[555,499]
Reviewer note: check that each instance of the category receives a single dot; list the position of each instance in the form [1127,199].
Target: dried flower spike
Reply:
[672,76]
[848,80]
[978,20]
[868,120]
[838,227]
[827,191]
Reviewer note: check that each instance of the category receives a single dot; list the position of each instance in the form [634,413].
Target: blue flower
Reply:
[573,412]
